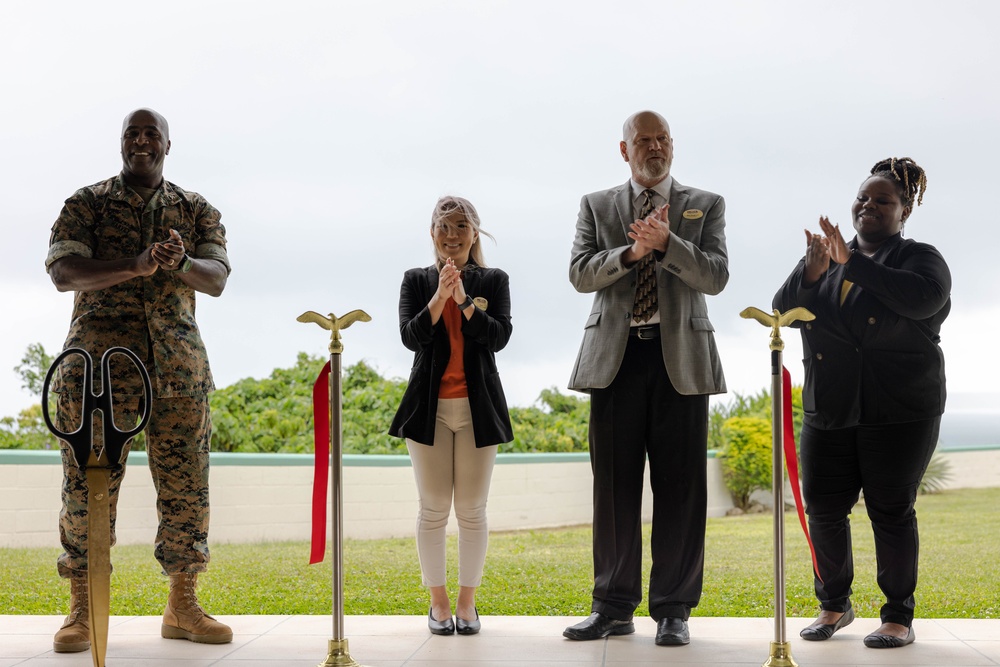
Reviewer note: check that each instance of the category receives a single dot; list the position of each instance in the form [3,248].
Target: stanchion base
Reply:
[781,656]
[339,655]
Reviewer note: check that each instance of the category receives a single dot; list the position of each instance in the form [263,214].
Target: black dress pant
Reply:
[640,415]
[887,462]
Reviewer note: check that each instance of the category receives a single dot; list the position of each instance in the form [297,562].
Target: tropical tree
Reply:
[33,367]
[27,430]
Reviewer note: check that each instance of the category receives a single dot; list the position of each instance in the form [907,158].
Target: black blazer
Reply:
[486,333]
[876,359]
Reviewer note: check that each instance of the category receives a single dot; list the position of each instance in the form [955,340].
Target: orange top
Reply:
[453,381]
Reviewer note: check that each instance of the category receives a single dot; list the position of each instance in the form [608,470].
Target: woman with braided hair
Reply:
[874,392]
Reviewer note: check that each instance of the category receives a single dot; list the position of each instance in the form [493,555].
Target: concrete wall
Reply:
[268,497]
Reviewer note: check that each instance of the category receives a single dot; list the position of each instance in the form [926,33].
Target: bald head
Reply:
[639,117]
[158,119]
[647,147]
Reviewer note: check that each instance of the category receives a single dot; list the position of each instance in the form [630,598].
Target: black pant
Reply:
[887,462]
[639,415]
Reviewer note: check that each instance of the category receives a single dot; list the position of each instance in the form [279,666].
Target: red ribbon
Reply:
[792,461]
[321,469]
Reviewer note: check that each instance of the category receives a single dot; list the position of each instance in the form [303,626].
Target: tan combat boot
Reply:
[185,619]
[74,635]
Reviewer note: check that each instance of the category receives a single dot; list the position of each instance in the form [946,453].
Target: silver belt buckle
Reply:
[645,333]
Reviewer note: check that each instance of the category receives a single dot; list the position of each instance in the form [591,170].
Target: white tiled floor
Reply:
[398,641]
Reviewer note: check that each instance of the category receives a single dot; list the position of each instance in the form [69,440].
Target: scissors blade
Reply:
[98,558]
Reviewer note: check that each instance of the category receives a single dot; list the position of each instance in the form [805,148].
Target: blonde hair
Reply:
[450,204]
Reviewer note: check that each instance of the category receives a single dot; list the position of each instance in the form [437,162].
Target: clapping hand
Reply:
[169,254]
[823,248]
[839,252]
[450,283]
[651,233]
[817,257]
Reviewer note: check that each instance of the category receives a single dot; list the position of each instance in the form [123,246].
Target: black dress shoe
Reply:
[818,633]
[445,627]
[464,627]
[598,626]
[879,640]
[672,631]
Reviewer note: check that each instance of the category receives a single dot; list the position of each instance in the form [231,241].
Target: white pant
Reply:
[453,466]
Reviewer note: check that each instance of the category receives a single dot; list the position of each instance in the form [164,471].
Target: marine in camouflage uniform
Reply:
[135,248]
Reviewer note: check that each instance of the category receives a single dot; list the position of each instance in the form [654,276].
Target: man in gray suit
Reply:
[650,250]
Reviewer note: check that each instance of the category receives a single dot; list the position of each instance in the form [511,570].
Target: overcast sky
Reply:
[325,132]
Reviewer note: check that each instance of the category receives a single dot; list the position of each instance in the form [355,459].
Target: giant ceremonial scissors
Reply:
[98,465]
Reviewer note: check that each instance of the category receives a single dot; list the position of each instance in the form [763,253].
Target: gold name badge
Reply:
[692,214]
[480,303]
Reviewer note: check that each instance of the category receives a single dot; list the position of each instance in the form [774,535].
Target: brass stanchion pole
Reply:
[337,654]
[781,650]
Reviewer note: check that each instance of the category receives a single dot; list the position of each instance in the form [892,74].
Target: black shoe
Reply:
[879,640]
[818,633]
[464,627]
[445,627]
[598,626]
[672,631]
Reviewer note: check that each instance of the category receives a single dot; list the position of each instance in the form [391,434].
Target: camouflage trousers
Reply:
[178,437]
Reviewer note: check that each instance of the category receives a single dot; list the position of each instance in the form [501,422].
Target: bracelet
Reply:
[465,304]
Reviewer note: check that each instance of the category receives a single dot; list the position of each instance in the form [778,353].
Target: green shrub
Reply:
[560,424]
[755,405]
[275,415]
[746,461]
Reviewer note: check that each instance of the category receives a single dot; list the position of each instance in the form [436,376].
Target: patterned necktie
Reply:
[645,293]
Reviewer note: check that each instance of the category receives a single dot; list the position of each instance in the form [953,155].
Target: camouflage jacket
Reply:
[154,316]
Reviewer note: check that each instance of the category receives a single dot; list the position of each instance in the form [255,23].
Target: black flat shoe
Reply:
[672,631]
[879,640]
[818,633]
[445,627]
[598,626]
[464,627]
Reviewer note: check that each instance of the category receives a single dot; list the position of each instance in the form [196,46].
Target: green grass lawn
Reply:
[545,572]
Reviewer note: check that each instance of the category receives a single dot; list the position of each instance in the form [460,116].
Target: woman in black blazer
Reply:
[874,392]
[455,316]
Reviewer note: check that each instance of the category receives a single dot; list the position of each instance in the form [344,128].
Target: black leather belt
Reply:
[645,333]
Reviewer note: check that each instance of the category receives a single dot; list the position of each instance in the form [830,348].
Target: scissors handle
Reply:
[114,439]
[81,440]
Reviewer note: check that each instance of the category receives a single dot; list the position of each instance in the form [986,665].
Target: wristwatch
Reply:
[468,302]
[186,264]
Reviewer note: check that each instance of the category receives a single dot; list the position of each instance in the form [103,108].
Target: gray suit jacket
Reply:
[694,265]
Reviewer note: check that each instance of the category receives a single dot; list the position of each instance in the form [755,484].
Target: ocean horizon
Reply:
[971,421]
[969,430]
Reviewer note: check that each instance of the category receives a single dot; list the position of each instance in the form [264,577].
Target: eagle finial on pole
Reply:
[334,324]
[776,320]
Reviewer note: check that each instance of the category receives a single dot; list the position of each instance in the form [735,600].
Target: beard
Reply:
[653,169]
